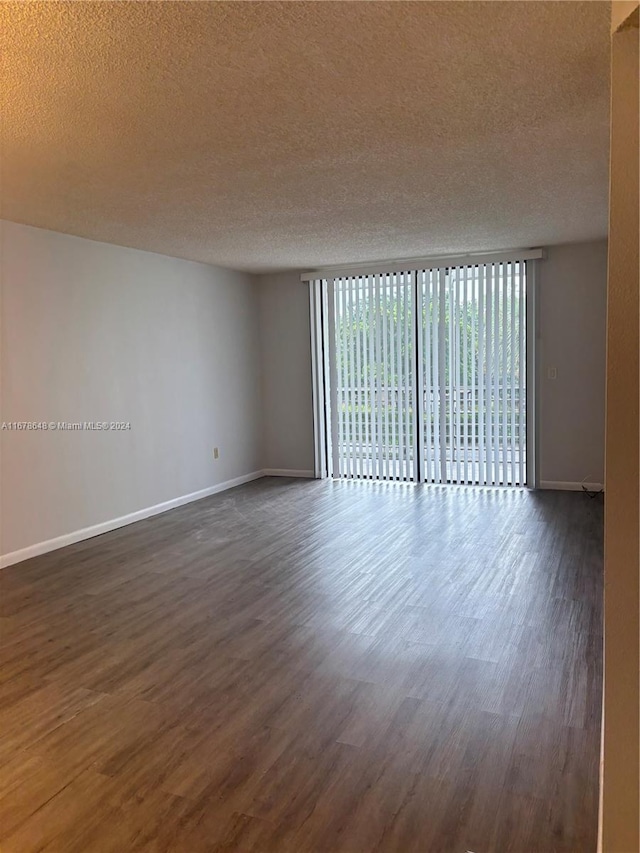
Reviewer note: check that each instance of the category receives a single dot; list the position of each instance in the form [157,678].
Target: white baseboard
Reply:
[564,486]
[114,523]
[286,472]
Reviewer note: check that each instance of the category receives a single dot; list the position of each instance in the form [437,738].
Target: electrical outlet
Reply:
[216,453]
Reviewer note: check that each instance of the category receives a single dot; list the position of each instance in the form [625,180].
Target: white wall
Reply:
[572,336]
[286,378]
[573,282]
[95,332]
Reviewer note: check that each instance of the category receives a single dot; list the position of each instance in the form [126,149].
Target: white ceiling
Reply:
[276,135]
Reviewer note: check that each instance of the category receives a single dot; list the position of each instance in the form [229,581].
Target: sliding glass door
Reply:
[372,402]
[424,374]
[472,374]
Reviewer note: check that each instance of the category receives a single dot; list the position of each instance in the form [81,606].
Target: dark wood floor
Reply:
[298,666]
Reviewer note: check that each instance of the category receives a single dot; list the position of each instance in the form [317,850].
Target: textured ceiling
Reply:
[276,135]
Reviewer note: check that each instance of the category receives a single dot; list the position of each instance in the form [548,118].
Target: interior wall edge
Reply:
[565,486]
[58,542]
[288,472]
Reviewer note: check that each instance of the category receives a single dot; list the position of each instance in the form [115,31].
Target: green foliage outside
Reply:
[374,346]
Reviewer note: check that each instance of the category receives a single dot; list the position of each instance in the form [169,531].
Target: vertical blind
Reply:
[373,425]
[473,374]
[426,374]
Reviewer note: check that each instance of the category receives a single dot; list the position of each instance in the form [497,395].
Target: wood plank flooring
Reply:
[310,666]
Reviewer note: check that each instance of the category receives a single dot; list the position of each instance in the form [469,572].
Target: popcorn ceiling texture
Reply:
[272,135]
